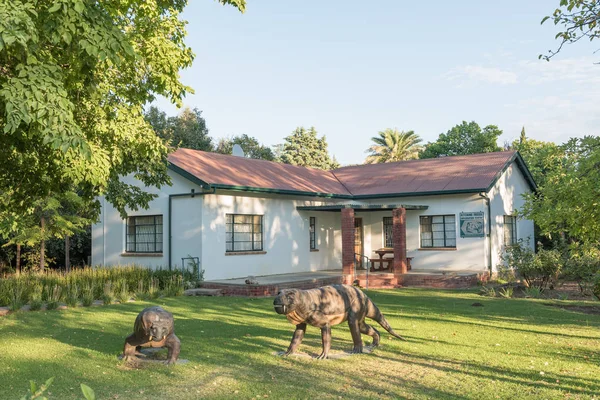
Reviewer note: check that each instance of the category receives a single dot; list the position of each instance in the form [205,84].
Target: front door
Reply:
[358,242]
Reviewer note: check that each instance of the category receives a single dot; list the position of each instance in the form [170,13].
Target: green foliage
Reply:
[74,78]
[579,19]
[466,138]
[583,267]
[72,295]
[92,283]
[122,293]
[18,296]
[533,292]
[487,291]
[54,294]
[304,148]
[252,148]
[87,294]
[537,270]
[35,393]
[108,294]
[35,298]
[392,145]
[506,292]
[187,130]
[568,200]
[542,158]
[88,392]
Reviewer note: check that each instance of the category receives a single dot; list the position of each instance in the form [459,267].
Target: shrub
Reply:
[487,291]
[72,296]
[87,295]
[35,299]
[506,292]
[533,291]
[153,289]
[53,296]
[17,299]
[122,293]
[537,270]
[108,295]
[582,267]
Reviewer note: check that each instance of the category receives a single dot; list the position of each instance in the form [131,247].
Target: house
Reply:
[239,217]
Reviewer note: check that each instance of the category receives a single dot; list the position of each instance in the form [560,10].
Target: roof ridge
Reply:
[341,183]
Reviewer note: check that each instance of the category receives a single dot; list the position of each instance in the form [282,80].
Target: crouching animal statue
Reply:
[327,306]
[154,327]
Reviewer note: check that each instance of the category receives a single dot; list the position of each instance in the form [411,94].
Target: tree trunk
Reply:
[67,255]
[18,261]
[42,245]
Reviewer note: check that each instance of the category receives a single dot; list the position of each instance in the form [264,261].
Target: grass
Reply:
[509,348]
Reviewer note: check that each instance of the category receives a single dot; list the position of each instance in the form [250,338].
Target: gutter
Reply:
[489,230]
[191,194]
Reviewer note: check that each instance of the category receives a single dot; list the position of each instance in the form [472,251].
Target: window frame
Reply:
[431,224]
[135,242]
[232,224]
[312,233]
[385,232]
[510,220]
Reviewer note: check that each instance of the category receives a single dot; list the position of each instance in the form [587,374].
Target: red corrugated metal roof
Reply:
[220,169]
[457,173]
[447,174]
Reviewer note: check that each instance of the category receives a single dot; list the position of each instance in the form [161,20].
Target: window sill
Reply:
[314,250]
[244,253]
[141,254]
[437,249]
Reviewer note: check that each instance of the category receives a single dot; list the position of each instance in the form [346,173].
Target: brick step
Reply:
[203,292]
[379,281]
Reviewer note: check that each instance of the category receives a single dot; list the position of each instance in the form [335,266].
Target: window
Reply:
[510,230]
[312,233]
[388,232]
[438,231]
[244,232]
[145,234]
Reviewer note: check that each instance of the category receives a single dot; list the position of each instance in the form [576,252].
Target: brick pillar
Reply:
[348,245]
[399,220]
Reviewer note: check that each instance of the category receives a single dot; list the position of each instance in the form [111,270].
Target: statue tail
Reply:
[376,315]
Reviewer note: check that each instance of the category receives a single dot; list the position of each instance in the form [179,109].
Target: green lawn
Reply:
[507,349]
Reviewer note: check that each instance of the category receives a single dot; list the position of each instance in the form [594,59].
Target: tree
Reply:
[304,148]
[252,148]
[540,157]
[568,199]
[466,138]
[392,145]
[74,78]
[579,18]
[188,129]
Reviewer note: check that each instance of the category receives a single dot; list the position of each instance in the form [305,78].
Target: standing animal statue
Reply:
[154,327]
[327,306]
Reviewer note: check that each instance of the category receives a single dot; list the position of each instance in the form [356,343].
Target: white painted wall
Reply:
[505,197]
[199,230]
[108,235]
[469,253]
[285,236]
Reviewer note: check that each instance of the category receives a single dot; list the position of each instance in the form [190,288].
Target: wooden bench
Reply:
[386,263]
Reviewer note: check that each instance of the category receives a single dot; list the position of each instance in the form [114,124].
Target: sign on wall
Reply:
[471,224]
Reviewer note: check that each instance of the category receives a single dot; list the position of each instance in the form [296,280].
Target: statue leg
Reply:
[173,344]
[130,349]
[326,338]
[369,330]
[355,331]
[296,339]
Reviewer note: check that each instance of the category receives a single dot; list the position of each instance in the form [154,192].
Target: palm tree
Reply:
[392,145]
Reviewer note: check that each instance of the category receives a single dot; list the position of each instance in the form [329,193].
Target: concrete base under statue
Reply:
[153,355]
[331,356]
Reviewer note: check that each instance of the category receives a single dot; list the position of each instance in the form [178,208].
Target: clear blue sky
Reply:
[352,68]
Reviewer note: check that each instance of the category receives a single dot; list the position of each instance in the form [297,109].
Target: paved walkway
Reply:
[330,273]
[282,278]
